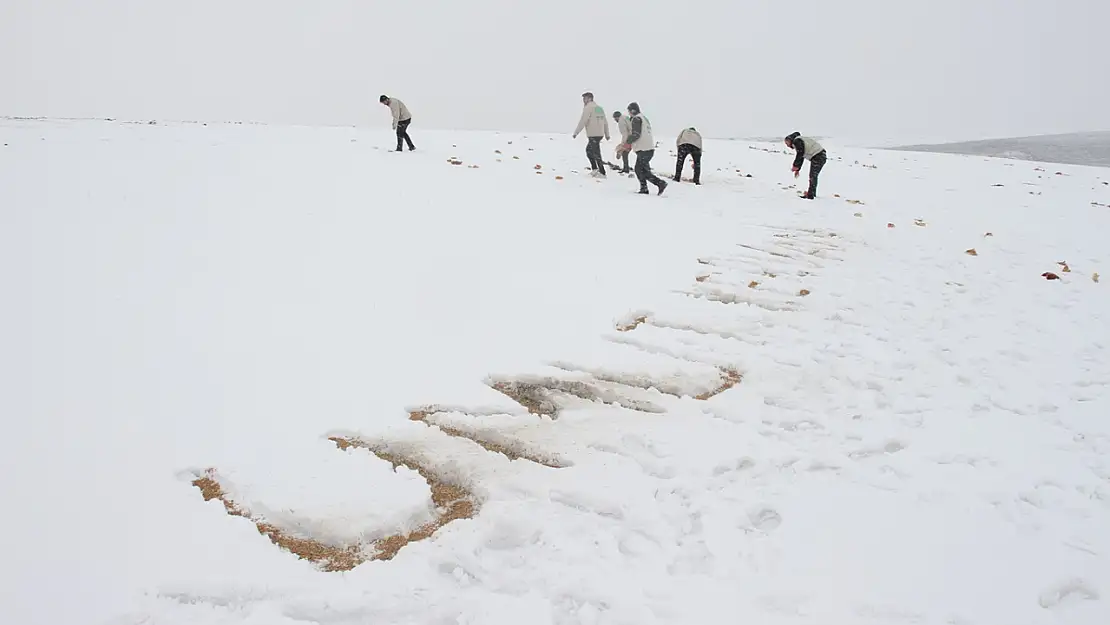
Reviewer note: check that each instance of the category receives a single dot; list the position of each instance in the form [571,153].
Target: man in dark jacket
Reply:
[807,150]
[641,141]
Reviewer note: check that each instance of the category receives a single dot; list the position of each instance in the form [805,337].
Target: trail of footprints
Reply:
[779,268]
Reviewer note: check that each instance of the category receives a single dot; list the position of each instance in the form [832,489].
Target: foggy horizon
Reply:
[860,69]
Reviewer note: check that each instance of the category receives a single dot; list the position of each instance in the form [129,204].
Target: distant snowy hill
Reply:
[1084,148]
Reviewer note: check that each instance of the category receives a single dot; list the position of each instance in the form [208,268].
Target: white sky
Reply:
[880,69]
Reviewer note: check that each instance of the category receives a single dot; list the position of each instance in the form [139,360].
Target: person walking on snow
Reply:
[643,143]
[809,150]
[624,125]
[596,125]
[401,120]
[689,142]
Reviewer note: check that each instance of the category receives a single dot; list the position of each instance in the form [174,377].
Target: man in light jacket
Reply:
[596,125]
[624,125]
[809,150]
[689,143]
[401,120]
[642,142]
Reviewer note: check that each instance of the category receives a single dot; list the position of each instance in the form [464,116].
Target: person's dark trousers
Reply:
[643,170]
[695,152]
[624,157]
[403,134]
[593,152]
[816,164]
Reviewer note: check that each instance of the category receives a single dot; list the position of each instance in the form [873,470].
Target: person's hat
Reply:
[383,98]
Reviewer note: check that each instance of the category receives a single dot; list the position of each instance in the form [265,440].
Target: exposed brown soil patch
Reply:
[452,502]
[732,378]
[533,397]
[488,445]
[635,323]
[539,396]
[327,557]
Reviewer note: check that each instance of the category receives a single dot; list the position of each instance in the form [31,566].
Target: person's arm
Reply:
[606,128]
[582,121]
[637,130]
[800,147]
[395,110]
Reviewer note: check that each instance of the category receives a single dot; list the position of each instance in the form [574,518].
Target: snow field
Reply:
[917,438]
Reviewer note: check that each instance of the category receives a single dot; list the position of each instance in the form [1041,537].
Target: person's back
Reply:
[690,136]
[399,110]
[810,147]
[593,121]
[689,144]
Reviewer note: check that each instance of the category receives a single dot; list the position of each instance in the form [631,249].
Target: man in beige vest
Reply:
[596,125]
[807,149]
[641,141]
[401,120]
[689,143]
[624,125]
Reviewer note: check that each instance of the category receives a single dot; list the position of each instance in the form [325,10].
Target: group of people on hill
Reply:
[636,137]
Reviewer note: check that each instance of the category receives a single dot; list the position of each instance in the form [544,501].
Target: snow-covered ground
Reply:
[756,409]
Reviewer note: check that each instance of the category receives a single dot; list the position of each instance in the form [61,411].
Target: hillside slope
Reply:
[1087,148]
[501,391]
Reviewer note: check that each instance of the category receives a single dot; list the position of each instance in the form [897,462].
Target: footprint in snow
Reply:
[1067,593]
[765,520]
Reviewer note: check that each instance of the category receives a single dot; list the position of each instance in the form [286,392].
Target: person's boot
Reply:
[677,179]
[643,190]
[662,186]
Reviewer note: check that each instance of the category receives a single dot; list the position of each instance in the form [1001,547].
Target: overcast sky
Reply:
[877,69]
